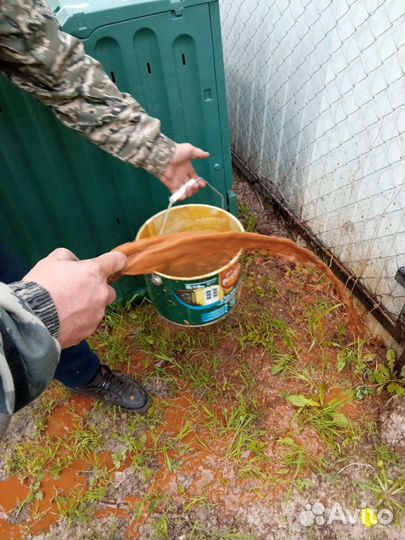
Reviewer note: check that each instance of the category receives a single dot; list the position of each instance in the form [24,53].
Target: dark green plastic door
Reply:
[167,63]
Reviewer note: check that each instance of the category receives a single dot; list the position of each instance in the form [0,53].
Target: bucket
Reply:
[200,299]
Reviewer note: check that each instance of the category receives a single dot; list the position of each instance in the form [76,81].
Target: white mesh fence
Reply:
[316,94]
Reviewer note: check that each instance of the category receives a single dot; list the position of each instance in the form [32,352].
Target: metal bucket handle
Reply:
[182,191]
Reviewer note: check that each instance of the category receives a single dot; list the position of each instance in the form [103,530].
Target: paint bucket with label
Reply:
[192,297]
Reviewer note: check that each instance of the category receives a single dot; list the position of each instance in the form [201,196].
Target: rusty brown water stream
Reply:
[182,254]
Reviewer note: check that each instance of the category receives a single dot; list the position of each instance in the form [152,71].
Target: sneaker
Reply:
[117,389]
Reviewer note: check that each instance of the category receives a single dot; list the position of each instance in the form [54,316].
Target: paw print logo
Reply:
[313,514]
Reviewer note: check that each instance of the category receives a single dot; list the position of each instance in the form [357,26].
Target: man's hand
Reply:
[79,290]
[180,169]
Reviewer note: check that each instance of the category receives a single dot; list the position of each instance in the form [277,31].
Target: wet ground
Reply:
[267,425]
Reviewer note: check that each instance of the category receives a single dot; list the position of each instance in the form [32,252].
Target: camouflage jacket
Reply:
[36,56]
[29,349]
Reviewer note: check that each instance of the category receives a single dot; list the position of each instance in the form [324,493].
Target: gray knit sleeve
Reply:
[40,302]
[29,350]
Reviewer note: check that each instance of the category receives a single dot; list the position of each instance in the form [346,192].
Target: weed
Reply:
[316,316]
[119,457]
[248,218]
[118,325]
[385,454]
[380,376]
[298,458]
[34,457]
[239,425]
[143,457]
[200,371]
[308,375]
[283,364]
[35,494]
[112,348]
[326,418]
[197,500]
[351,355]
[298,461]
[389,493]
[85,440]
[155,500]
[162,526]
[263,286]
[52,455]
[385,377]
[80,503]
[259,328]
[363,392]
[247,376]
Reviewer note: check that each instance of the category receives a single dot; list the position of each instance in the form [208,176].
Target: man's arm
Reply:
[60,302]
[36,56]
[29,348]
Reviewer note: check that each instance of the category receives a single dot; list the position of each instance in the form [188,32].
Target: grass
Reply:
[326,418]
[353,355]
[36,458]
[284,363]
[199,370]
[80,504]
[259,328]
[316,316]
[86,439]
[247,217]
[385,454]
[298,464]
[33,458]
[225,383]
[162,526]
[388,492]
[239,425]
[111,339]
[298,459]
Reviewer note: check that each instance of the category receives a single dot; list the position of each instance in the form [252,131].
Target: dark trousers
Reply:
[78,365]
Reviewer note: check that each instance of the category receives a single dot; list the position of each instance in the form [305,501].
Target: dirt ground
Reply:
[275,423]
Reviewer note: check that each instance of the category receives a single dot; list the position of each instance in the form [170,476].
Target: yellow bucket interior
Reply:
[193,218]
[190,218]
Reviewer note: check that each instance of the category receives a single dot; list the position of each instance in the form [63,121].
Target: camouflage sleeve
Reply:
[29,349]
[36,56]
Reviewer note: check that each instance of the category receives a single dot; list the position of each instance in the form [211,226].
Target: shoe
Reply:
[117,389]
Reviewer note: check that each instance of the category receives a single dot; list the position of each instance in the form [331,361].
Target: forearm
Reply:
[29,349]
[52,65]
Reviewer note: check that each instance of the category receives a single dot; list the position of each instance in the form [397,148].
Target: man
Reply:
[36,56]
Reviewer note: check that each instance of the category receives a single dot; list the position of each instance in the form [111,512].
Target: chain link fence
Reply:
[316,97]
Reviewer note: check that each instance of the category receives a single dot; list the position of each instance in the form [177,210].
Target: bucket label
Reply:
[197,302]
[211,292]
[201,283]
[201,296]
